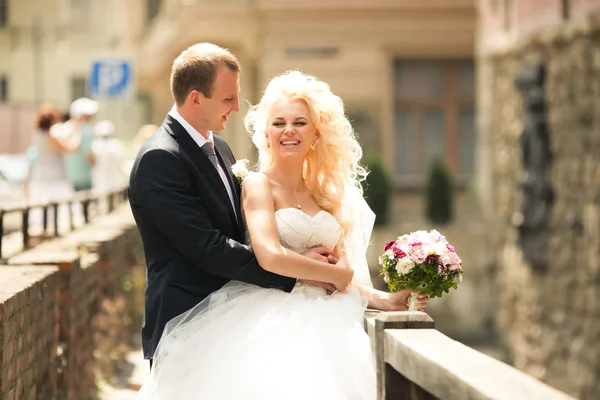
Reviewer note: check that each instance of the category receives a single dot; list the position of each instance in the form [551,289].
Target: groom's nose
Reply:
[236,105]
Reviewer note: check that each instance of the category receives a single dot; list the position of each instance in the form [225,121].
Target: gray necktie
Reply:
[209,150]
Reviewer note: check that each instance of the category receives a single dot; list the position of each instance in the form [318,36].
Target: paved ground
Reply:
[130,380]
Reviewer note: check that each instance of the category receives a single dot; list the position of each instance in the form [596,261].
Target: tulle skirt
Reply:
[246,342]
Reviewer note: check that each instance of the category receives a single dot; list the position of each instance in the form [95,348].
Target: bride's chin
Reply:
[291,154]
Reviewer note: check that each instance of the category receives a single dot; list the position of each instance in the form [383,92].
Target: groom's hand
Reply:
[322,254]
[327,286]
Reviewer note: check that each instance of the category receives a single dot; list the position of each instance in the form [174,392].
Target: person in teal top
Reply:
[79,162]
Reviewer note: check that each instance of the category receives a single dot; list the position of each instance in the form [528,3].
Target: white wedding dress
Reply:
[247,342]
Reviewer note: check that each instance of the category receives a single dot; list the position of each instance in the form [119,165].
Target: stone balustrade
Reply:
[417,362]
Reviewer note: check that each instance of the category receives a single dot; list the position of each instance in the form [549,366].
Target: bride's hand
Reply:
[399,301]
[345,275]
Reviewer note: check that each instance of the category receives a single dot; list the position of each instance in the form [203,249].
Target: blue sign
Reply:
[111,79]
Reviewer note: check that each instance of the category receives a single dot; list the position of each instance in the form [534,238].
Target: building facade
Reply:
[539,108]
[46,52]
[403,68]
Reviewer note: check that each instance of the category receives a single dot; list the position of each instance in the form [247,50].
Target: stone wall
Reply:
[28,332]
[549,316]
[61,326]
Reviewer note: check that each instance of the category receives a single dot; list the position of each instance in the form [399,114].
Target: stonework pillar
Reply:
[550,317]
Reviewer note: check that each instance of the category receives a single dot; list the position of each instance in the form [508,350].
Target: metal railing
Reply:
[85,198]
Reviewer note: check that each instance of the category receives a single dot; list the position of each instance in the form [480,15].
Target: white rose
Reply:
[421,236]
[440,249]
[240,169]
[404,265]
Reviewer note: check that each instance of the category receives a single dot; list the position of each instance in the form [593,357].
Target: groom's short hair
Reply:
[196,69]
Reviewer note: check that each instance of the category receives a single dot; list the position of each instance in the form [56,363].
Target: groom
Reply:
[185,201]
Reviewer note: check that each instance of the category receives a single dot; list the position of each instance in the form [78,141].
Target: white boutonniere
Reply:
[240,169]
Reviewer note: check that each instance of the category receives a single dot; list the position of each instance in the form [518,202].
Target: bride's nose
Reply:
[288,130]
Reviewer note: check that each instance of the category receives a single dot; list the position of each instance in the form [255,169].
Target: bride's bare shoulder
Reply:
[256,181]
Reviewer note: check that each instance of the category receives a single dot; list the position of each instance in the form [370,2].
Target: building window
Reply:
[3,89]
[435,117]
[153,9]
[3,13]
[78,87]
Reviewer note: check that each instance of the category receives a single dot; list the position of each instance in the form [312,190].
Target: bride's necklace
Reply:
[297,202]
[298,205]
[293,193]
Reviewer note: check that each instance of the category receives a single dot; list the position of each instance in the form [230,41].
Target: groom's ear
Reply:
[195,97]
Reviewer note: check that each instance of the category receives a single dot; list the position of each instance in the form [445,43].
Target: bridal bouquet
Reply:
[422,261]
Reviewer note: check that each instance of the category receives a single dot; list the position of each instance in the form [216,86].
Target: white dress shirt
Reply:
[201,141]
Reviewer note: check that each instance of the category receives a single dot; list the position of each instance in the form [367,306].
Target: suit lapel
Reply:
[233,181]
[200,160]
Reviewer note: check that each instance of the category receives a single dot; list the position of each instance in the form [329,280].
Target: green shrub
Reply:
[438,193]
[377,189]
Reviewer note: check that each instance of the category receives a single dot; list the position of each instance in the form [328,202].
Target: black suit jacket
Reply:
[193,242]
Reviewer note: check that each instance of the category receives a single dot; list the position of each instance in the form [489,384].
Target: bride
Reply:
[247,342]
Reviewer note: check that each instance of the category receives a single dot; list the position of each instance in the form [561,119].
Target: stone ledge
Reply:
[450,370]
[403,320]
[44,256]
[15,279]
[377,324]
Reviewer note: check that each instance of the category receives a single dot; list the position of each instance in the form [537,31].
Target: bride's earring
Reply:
[313,145]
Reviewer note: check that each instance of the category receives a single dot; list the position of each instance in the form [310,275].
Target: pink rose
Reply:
[453,259]
[386,277]
[389,245]
[417,253]
[398,252]
[455,267]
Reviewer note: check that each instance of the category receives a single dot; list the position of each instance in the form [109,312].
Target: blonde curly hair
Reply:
[334,162]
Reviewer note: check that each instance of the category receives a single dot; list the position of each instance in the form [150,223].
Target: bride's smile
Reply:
[291,128]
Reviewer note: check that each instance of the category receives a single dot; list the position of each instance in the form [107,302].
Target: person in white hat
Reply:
[79,162]
[107,172]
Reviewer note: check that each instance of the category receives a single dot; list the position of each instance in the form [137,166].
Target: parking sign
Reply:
[111,78]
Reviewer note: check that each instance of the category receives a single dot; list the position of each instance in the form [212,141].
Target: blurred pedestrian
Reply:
[107,172]
[47,179]
[79,161]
